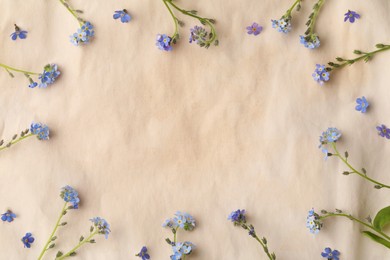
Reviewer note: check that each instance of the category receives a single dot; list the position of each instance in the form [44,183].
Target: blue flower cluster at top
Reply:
[8,216]
[331,135]
[70,195]
[180,249]
[237,217]
[125,17]
[311,41]
[282,25]
[313,223]
[164,42]
[83,34]
[102,226]
[40,130]
[321,74]
[181,220]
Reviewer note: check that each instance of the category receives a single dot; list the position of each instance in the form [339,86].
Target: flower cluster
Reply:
[48,76]
[362,104]
[143,253]
[313,222]
[123,15]
[200,36]
[27,240]
[18,33]
[83,34]
[181,249]
[331,135]
[237,217]
[330,254]
[311,41]
[383,131]
[163,42]
[68,194]
[8,216]
[40,130]
[321,74]
[181,220]
[102,226]
[282,25]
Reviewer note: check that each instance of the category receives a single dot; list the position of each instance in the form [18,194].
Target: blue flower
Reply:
[164,42]
[198,35]
[237,217]
[27,240]
[18,33]
[252,231]
[331,135]
[49,75]
[83,34]
[70,195]
[8,216]
[330,254]
[383,131]
[40,130]
[321,74]
[143,253]
[125,17]
[282,25]
[181,220]
[254,29]
[362,104]
[351,16]
[180,249]
[102,226]
[33,84]
[313,222]
[311,41]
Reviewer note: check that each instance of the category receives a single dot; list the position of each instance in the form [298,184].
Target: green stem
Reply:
[265,248]
[78,245]
[357,220]
[174,236]
[15,141]
[175,20]
[320,3]
[6,67]
[45,248]
[356,171]
[72,12]
[289,11]
[364,56]
[201,20]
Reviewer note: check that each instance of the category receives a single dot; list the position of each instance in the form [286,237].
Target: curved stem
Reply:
[356,171]
[357,220]
[289,11]
[265,248]
[53,232]
[71,11]
[175,21]
[78,245]
[315,15]
[201,19]
[15,141]
[17,70]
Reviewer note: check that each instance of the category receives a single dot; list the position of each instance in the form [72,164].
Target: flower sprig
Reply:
[314,222]
[198,34]
[284,23]
[328,145]
[85,32]
[47,77]
[310,39]
[342,62]
[239,219]
[181,221]
[39,130]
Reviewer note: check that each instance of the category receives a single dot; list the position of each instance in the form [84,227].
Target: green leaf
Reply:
[382,218]
[377,239]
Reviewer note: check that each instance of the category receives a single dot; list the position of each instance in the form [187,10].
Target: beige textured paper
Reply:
[141,133]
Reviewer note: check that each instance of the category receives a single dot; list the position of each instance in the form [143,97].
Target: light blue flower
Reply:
[33,84]
[321,74]
[49,75]
[331,135]
[27,240]
[362,104]
[311,41]
[330,254]
[125,17]
[282,25]
[237,217]
[83,34]
[70,195]
[102,226]
[180,249]
[164,42]
[40,130]
[313,222]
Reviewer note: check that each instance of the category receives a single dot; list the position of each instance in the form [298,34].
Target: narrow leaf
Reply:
[377,239]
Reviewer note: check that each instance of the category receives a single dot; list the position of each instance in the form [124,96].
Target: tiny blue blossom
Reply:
[40,130]
[70,195]
[143,253]
[18,33]
[313,223]
[83,34]
[331,135]
[362,104]
[27,240]
[321,74]
[125,17]
[49,75]
[181,220]
[383,131]
[33,84]
[311,41]
[102,226]
[254,29]
[8,216]
[282,25]
[351,16]
[237,217]
[330,254]
[180,249]
[164,42]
